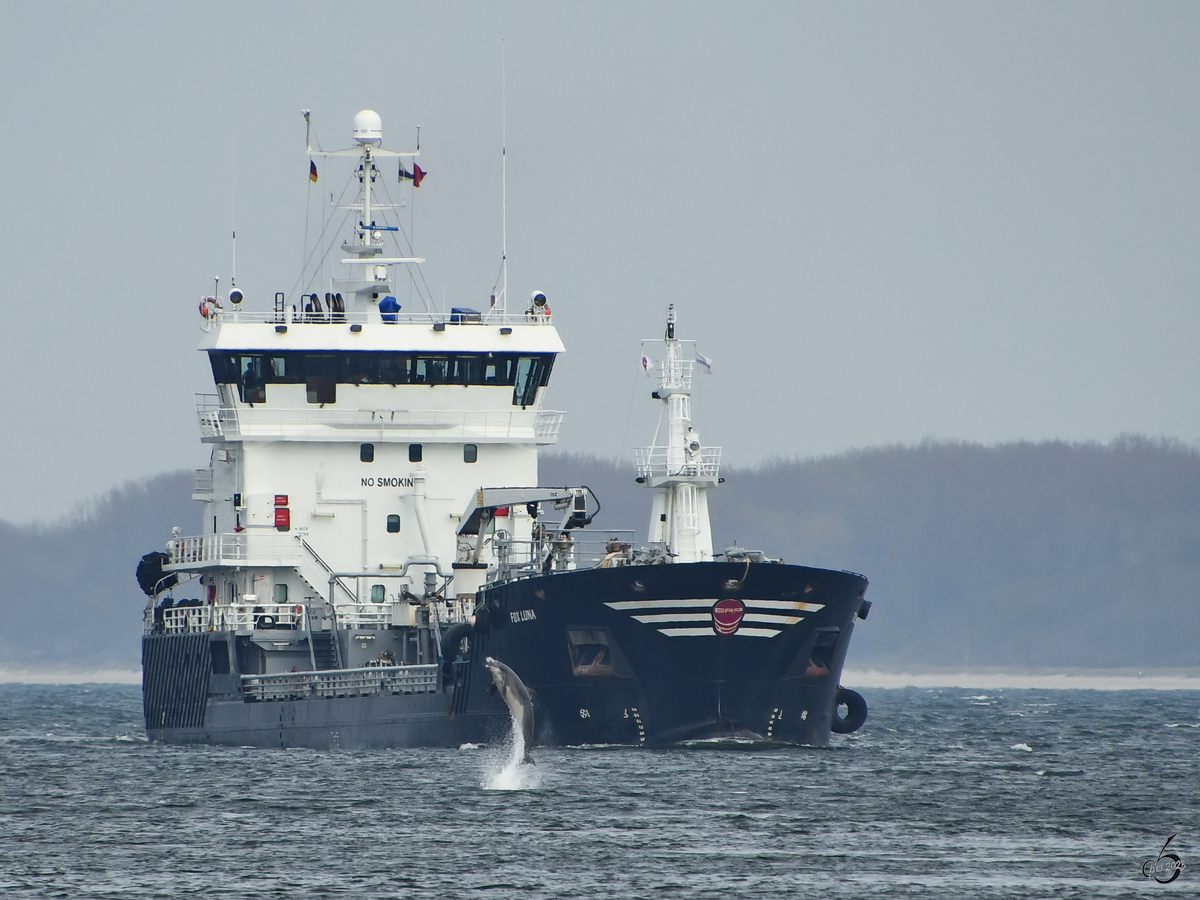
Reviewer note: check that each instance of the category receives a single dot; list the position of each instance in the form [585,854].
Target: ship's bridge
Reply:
[363,376]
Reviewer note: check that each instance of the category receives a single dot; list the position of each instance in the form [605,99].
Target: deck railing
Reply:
[450,320]
[219,422]
[652,462]
[329,683]
[262,547]
[240,617]
[562,551]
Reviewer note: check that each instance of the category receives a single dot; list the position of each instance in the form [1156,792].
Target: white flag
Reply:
[647,364]
[704,361]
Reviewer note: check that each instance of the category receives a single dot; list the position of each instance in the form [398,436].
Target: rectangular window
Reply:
[366,453]
[320,377]
[414,453]
[470,453]
[252,380]
[532,372]
[280,594]
[393,524]
[378,593]
[431,370]
[218,652]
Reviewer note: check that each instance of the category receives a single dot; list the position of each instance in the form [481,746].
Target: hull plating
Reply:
[629,655]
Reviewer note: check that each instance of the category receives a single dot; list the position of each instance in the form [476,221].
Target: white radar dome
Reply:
[368,127]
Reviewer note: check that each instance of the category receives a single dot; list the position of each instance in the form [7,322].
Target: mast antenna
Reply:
[233,223]
[504,177]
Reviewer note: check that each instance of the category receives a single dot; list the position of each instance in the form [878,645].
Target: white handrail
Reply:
[652,462]
[342,682]
[342,423]
[452,320]
[239,617]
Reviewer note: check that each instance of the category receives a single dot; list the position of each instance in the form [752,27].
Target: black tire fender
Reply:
[449,649]
[856,711]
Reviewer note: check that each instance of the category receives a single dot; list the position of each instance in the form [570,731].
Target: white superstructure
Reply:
[349,436]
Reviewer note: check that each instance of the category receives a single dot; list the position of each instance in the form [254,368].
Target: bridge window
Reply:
[320,377]
[253,370]
[253,381]
[470,453]
[532,372]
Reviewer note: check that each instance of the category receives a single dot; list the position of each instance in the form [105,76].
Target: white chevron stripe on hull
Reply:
[664,604]
[760,618]
[802,605]
[765,619]
[701,632]
[707,603]
[666,612]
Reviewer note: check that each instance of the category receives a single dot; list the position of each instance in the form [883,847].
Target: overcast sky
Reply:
[883,221]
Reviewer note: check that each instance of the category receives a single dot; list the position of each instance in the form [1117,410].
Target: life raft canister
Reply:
[856,711]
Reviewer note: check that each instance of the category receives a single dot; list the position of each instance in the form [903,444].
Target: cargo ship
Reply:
[374,527]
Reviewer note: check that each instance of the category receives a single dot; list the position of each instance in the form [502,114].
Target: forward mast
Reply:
[681,470]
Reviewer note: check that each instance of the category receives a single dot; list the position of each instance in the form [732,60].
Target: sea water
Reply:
[945,792]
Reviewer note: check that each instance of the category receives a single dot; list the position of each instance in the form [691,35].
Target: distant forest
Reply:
[1021,555]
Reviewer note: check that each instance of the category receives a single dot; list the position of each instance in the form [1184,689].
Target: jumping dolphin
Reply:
[516,698]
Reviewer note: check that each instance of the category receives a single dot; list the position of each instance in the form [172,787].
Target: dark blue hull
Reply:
[664,678]
[640,655]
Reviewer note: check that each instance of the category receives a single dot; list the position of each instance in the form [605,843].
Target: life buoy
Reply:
[209,307]
[856,711]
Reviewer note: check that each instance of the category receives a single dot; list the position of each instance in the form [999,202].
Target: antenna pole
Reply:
[307,201]
[233,225]
[504,177]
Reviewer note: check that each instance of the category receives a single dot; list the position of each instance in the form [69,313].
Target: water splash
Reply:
[503,770]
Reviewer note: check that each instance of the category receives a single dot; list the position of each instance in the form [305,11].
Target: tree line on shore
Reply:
[1021,555]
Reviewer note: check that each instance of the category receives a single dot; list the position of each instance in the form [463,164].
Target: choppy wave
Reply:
[976,679]
[945,792]
[996,679]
